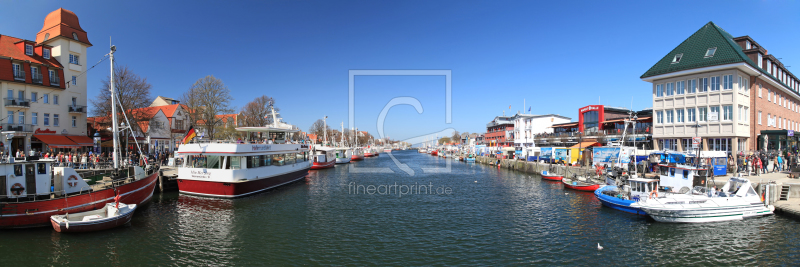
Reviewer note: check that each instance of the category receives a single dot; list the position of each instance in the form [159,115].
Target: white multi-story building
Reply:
[44,102]
[526,126]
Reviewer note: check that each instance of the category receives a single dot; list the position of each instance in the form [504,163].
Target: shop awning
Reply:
[56,141]
[81,140]
[585,144]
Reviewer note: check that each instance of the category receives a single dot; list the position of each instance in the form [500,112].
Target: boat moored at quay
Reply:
[233,169]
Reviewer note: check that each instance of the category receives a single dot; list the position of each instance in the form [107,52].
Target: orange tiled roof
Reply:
[8,48]
[63,23]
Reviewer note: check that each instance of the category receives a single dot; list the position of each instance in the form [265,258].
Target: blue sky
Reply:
[558,56]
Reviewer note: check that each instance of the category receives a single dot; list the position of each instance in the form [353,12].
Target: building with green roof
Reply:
[724,89]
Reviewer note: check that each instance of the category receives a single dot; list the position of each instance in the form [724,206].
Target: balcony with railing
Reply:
[15,127]
[17,102]
[77,109]
[36,78]
[55,81]
[19,75]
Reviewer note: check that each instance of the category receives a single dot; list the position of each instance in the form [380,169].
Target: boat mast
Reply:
[115,127]
[325,130]
[342,139]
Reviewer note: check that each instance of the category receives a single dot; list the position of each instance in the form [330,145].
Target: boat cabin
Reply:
[640,188]
[32,179]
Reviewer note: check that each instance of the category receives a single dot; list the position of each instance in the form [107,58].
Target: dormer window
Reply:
[46,53]
[28,49]
[711,51]
[747,45]
[677,58]
[75,36]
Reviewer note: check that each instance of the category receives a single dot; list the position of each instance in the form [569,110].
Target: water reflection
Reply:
[206,234]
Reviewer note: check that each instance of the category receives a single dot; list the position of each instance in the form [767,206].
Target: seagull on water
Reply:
[599,247]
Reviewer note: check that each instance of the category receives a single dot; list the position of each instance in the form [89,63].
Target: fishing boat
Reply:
[618,198]
[551,176]
[369,152]
[581,184]
[342,155]
[323,156]
[34,189]
[235,169]
[110,216]
[357,154]
[736,201]
[434,152]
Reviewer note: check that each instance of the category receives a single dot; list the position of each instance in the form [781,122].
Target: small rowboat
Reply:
[95,220]
[580,184]
[553,177]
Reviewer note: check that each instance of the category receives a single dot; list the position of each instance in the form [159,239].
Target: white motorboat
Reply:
[737,200]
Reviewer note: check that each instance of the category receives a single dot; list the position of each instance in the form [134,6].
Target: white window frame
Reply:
[759,117]
[46,53]
[659,90]
[670,116]
[691,86]
[702,114]
[659,117]
[715,86]
[670,89]
[679,115]
[703,84]
[759,90]
[727,82]
[28,49]
[35,118]
[690,115]
[56,120]
[760,60]
[710,52]
[680,87]
[727,111]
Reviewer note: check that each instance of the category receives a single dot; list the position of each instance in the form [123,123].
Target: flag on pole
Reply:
[189,135]
[529,109]
[509,106]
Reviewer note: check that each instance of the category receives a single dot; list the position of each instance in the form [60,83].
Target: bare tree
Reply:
[318,128]
[133,92]
[206,99]
[259,111]
[456,137]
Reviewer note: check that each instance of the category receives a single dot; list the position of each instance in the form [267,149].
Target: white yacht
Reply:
[737,200]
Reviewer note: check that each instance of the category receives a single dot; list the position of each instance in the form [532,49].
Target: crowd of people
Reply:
[90,160]
[760,162]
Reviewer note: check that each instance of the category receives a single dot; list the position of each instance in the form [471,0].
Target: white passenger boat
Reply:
[737,200]
[235,169]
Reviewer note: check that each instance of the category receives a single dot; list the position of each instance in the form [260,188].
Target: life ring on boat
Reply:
[655,191]
[17,189]
[72,181]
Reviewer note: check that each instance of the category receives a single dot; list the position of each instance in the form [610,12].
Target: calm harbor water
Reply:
[489,216]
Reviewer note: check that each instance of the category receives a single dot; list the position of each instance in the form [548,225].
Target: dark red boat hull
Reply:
[37,213]
[231,190]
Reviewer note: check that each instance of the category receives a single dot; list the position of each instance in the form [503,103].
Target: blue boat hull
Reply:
[616,203]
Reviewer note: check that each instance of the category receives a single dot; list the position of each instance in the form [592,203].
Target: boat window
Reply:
[41,168]
[265,160]
[18,170]
[212,162]
[299,157]
[672,172]
[290,158]
[686,174]
[30,169]
[236,163]
[277,160]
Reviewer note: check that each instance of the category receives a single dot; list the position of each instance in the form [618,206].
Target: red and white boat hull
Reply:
[323,165]
[37,213]
[551,177]
[356,158]
[237,189]
[368,154]
[587,188]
